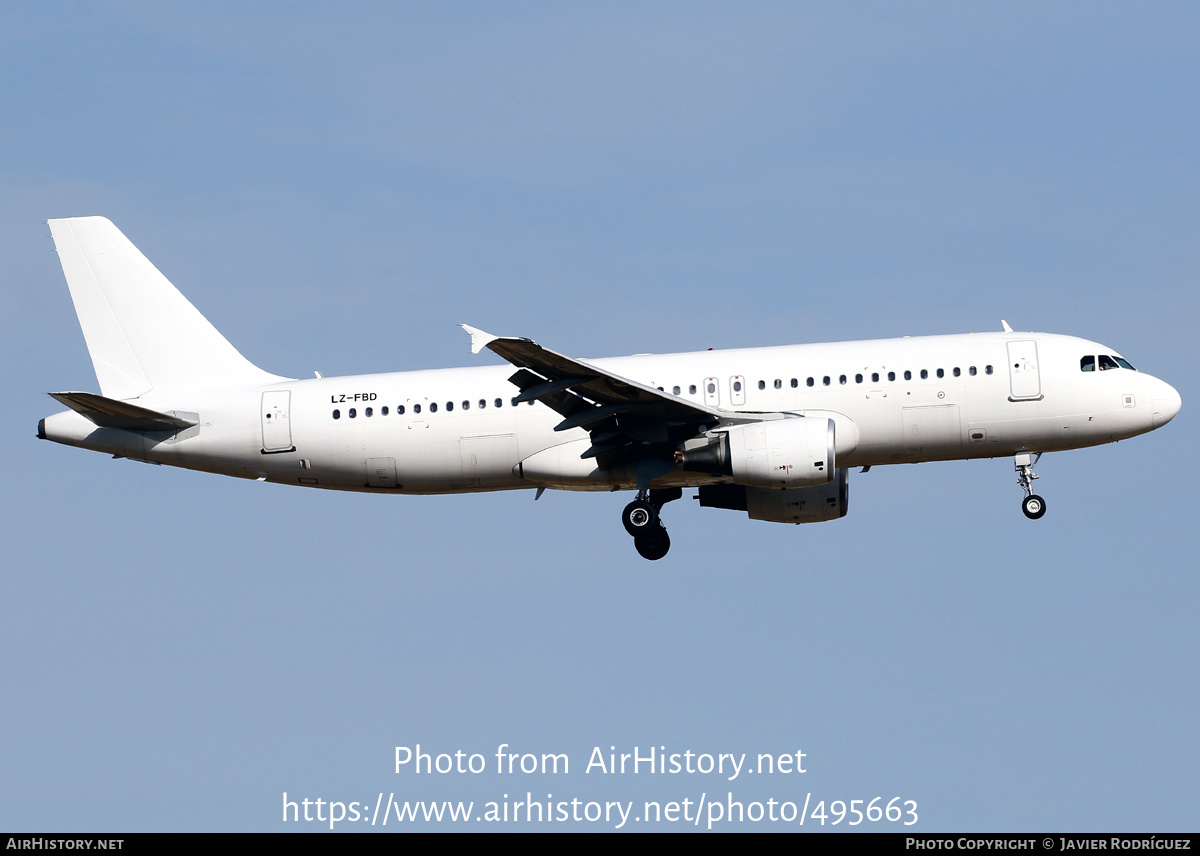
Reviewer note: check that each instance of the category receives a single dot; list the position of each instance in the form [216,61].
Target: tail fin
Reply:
[141,332]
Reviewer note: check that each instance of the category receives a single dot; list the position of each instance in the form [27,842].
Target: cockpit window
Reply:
[1106,362]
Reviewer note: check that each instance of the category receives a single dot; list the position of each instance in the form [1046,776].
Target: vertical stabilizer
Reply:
[141,332]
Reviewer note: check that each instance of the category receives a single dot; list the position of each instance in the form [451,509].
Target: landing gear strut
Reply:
[1033,505]
[642,521]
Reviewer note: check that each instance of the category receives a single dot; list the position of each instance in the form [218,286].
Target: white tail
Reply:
[141,332]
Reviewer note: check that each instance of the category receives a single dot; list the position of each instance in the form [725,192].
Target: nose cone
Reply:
[1164,405]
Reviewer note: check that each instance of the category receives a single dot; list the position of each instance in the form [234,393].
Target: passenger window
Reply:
[842,379]
[675,390]
[924,374]
[383,411]
[433,407]
[825,380]
[972,371]
[514,401]
[987,369]
[400,410]
[482,403]
[737,386]
[416,408]
[466,405]
[795,383]
[858,378]
[874,377]
[352,413]
[907,375]
[941,372]
[712,387]
[762,384]
[957,371]
[809,381]
[370,411]
[692,389]
[449,405]
[499,402]
[891,375]
[778,383]
[337,414]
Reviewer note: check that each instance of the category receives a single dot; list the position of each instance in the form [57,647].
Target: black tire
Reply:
[639,517]
[1033,506]
[653,545]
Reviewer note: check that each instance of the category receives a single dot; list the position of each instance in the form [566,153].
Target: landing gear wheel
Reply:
[640,517]
[1033,506]
[653,545]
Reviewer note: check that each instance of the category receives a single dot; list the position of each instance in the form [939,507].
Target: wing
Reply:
[622,415]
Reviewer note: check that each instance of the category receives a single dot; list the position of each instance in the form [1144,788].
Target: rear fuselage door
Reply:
[1025,380]
[277,422]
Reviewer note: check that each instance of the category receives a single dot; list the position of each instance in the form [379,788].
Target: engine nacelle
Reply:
[783,453]
[796,505]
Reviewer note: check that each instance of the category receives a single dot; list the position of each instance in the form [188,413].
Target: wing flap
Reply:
[560,400]
[546,388]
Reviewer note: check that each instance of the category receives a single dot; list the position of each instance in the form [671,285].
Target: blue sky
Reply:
[336,187]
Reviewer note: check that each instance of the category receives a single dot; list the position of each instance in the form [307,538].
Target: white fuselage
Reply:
[456,430]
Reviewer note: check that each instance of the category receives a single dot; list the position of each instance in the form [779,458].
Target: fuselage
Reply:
[458,430]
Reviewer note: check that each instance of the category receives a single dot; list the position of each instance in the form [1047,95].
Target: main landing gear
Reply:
[1033,505]
[642,521]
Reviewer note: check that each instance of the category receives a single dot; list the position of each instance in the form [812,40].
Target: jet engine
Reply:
[783,453]
[794,505]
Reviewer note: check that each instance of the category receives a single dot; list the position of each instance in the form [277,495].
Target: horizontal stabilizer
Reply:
[109,413]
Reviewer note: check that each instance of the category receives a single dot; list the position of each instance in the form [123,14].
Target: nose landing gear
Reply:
[642,521]
[1033,505]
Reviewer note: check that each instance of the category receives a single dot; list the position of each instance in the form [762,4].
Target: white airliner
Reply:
[769,431]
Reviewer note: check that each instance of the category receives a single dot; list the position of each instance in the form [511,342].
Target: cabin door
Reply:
[1025,380]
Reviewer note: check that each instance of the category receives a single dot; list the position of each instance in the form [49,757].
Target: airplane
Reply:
[770,431]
